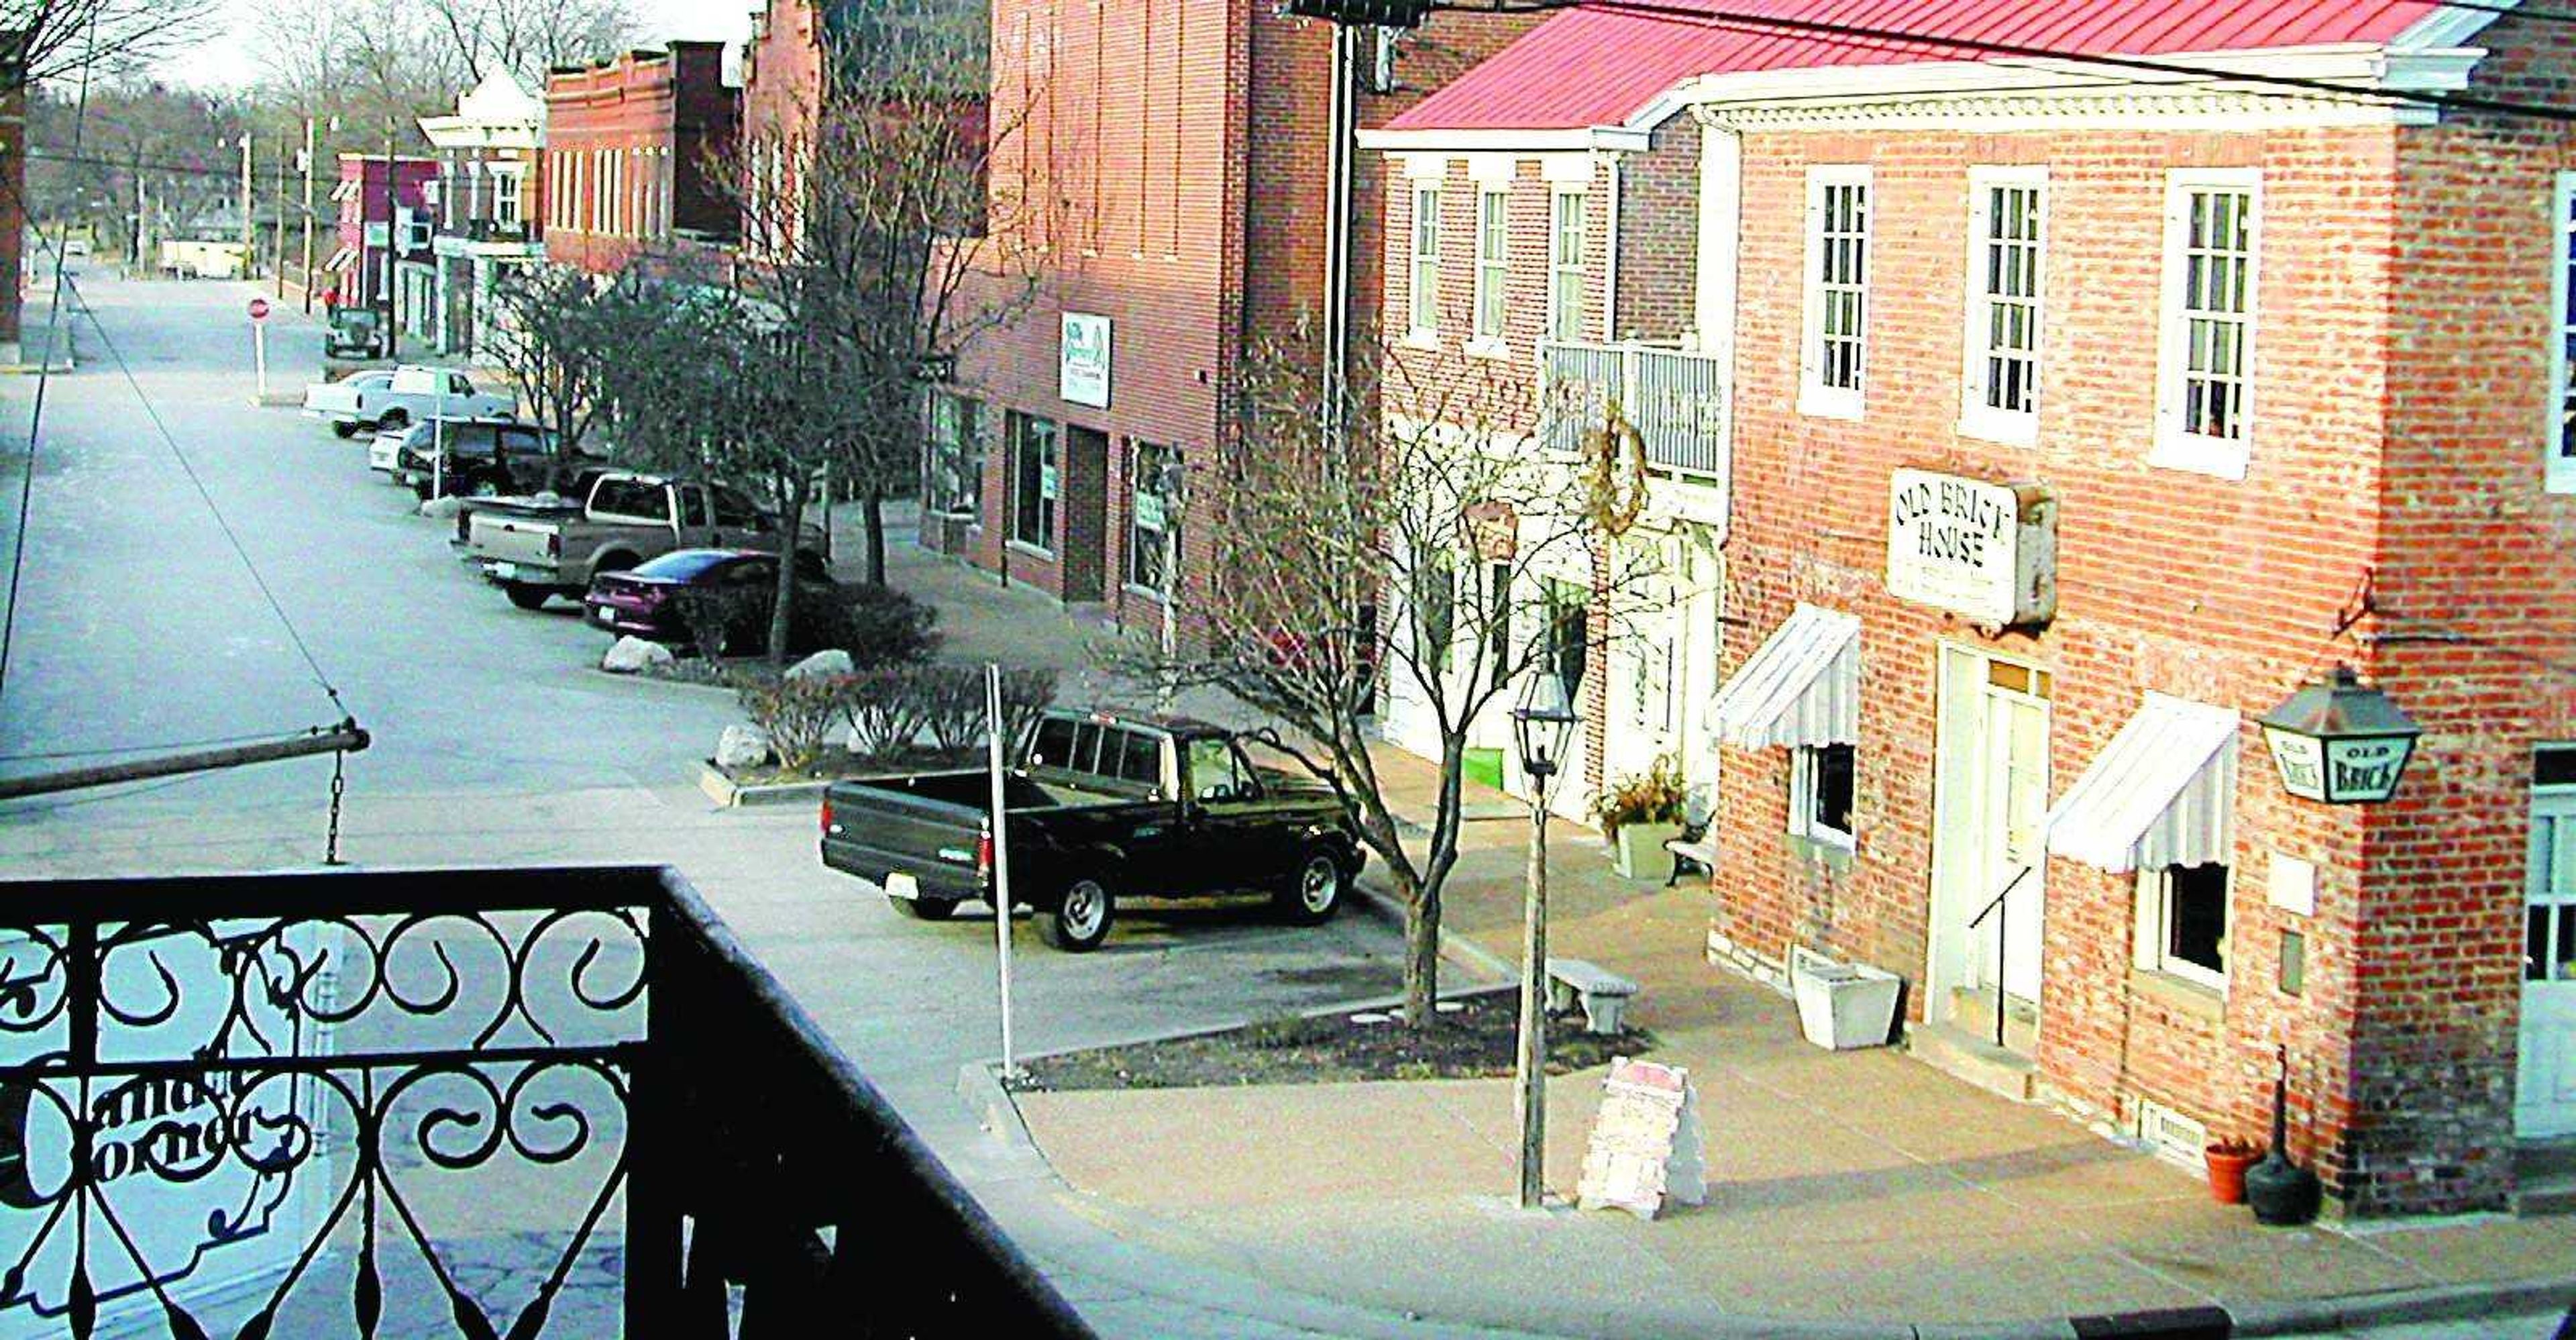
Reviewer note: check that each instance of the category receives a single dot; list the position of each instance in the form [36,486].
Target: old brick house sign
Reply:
[1987,551]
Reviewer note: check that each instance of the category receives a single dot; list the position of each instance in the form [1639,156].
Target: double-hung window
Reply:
[1423,301]
[2005,238]
[1820,793]
[2182,923]
[1837,297]
[1565,267]
[1033,482]
[1434,597]
[1153,523]
[2560,476]
[2205,393]
[1493,268]
[505,198]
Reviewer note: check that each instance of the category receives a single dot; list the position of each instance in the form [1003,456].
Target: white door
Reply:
[1990,794]
[2545,1090]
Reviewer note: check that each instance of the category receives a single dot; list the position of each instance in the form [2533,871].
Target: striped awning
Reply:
[342,259]
[1802,687]
[2161,793]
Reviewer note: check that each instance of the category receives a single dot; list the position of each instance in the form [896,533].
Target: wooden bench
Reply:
[1694,852]
[1602,993]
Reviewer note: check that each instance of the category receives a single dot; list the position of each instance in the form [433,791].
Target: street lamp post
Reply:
[1540,727]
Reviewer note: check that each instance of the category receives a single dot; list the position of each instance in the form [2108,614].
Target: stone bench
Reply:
[1602,993]
[1691,855]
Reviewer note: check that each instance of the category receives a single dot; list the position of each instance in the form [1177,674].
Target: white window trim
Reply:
[2558,473]
[1557,266]
[1416,330]
[1480,342]
[1977,419]
[1802,800]
[2154,893]
[2175,449]
[1815,399]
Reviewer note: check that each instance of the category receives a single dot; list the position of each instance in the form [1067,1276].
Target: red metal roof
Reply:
[1597,66]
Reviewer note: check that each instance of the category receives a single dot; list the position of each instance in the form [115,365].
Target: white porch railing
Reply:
[1677,401]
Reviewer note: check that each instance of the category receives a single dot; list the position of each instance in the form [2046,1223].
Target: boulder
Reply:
[630,654]
[443,509]
[822,664]
[741,747]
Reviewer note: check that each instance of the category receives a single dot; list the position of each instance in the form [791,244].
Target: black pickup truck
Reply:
[1102,807]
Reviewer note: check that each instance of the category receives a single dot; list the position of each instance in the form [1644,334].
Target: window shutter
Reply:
[1812,338]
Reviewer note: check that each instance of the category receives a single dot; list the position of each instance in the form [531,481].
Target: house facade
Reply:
[632,148]
[490,196]
[1160,167]
[2076,412]
[384,237]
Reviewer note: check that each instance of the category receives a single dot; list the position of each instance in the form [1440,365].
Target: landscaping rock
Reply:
[741,747]
[820,664]
[443,509]
[631,654]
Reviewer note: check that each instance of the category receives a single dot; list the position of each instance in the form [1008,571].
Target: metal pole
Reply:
[345,736]
[277,220]
[1171,485]
[308,215]
[1342,114]
[1531,1066]
[259,356]
[1001,857]
[393,336]
[250,235]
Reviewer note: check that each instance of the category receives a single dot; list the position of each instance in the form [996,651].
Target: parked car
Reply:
[354,332]
[320,396]
[626,519]
[411,394]
[644,602]
[393,452]
[486,459]
[1104,807]
[567,502]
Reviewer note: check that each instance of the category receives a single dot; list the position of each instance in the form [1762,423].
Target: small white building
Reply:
[486,216]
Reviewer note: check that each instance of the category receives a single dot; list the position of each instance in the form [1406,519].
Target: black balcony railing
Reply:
[459,1102]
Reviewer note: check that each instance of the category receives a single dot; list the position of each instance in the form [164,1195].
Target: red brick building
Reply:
[2065,426]
[1172,155]
[630,146]
[385,220]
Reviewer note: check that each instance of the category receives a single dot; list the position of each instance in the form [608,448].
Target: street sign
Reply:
[259,309]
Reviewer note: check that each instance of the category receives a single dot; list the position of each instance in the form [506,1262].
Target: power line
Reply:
[1866,37]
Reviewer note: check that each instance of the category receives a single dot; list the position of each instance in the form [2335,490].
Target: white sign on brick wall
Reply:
[1988,551]
[1082,360]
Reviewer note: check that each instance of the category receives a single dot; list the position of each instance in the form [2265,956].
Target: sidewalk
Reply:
[1850,1193]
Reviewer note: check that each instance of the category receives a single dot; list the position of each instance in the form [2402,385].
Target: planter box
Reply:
[1842,1005]
[1638,850]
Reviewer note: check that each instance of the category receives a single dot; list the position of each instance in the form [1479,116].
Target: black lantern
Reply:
[2341,742]
[1542,723]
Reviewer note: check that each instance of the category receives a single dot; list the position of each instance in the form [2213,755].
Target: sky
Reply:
[226,61]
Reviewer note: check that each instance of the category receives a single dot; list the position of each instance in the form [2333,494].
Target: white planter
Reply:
[1638,849]
[1842,1005]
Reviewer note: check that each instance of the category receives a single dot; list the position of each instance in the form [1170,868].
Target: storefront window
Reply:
[2187,911]
[1820,793]
[1033,481]
[1153,520]
[956,483]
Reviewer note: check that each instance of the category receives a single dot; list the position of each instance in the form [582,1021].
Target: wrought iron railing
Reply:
[1677,401]
[482,1103]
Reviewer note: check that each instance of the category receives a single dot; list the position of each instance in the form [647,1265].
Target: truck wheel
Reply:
[393,419]
[344,430]
[613,561]
[1314,893]
[525,596]
[1080,919]
[924,909]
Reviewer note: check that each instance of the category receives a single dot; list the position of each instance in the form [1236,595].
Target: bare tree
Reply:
[373,67]
[49,39]
[874,222]
[529,37]
[560,335]
[1425,554]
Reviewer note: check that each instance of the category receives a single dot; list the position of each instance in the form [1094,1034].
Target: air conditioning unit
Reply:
[2171,1136]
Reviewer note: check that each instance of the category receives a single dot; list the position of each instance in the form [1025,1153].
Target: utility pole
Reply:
[277,218]
[393,337]
[140,260]
[250,238]
[308,216]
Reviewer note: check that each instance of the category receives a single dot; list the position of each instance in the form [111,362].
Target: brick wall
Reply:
[1658,230]
[659,112]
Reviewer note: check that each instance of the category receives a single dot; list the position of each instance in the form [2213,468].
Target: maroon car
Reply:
[644,602]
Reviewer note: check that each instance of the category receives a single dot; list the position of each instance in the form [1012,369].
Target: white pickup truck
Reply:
[407,395]
[533,553]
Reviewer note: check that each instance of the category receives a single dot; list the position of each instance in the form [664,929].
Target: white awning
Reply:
[2161,793]
[1801,688]
[342,259]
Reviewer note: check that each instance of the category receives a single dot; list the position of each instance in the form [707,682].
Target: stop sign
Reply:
[259,309]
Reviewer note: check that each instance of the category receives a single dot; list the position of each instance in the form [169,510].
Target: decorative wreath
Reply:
[1614,449]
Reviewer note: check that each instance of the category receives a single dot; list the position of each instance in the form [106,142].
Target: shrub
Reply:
[796,714]
[1654,796]
[887,707]
[877,625]
[713,615]
[956,693]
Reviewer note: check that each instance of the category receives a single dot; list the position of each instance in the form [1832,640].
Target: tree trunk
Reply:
[1422,954]
[791,524]
[872,522]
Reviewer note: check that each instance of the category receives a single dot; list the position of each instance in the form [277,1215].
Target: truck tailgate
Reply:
[521,541]
[910,826]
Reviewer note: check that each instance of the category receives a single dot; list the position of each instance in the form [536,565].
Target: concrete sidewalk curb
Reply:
[997,1112]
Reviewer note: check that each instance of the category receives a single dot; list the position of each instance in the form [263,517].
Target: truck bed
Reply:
[929,824]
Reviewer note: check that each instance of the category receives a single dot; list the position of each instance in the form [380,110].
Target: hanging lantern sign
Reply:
[2340,742]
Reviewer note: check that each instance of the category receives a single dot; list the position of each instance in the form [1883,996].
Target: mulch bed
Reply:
[837,763]
[1474,1041]
[700,670]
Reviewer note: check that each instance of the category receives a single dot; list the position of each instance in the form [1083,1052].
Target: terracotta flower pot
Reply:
[2227,1165]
